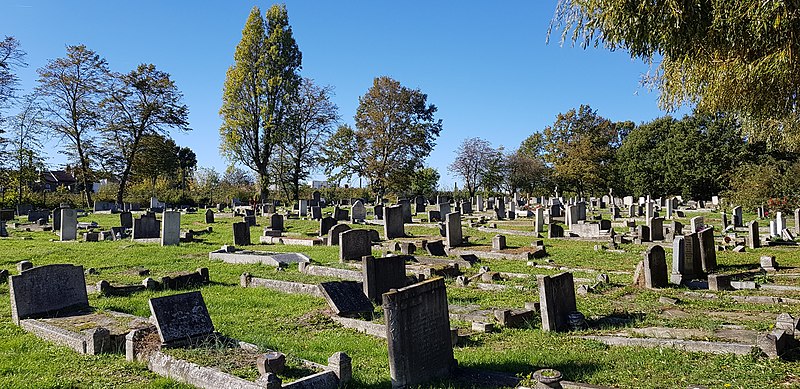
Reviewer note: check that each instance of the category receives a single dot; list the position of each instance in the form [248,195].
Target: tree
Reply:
[580,147]
[395,131]
[425,181]
[11,58]
[25,141]
[257,92]
[730,56]
[313,115]
[474,158]
[527,173]
[157,156]
[187,162]
[207,181]
[144,102]
[72,86]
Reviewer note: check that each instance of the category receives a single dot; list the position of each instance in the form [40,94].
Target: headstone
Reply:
[146,227]
[556,301]
[381,275]
[316,197]
[753,240]
[48,290]
[797,221]
[8,215]
[405,207]
[69,224]
[555,231]
[209,216]
[453,229]
[333,233]
[3,229]
[126,219]
[316,212]
[737,216]
[241,234]
[499,243]
[644,233]
[780,223]
[669,210]
[436,248]
[655,267]
[393,222]
[697,223]
[724,217]
[657,229]
[418,333]
[276,222]
[419,204]
[354,244]
[680,273]
[466,208]
[171,228]
[444,208]
[358,212]
[768,263]
[479,203]
[325,224]
[346,298]
[181,317]
[340,214]
[434,216]
[302,207]
[708,250]
[538,225]
[377,211]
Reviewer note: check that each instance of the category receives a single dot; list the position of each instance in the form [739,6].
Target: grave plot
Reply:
[51,302]
[230,254]
[185,347]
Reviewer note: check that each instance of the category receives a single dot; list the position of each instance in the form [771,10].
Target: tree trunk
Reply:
[263,184]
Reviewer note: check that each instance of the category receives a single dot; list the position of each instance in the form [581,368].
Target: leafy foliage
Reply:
[11,58]
[425,181]
[476,163]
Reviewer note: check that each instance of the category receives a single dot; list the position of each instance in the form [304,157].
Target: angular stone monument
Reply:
[346,298]
[181,318]
[556,301]
[358,212]
[333,233]
[241,234]
[383,274]
[171,228]
[453,231]
[393,226]
[69,224]
[354,244]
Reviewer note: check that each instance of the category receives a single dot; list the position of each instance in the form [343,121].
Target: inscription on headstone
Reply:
[181,317]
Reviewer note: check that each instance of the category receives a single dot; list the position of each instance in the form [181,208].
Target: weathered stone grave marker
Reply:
[354,244]
[346,298]
[556,301]
[241,234]
[181,317]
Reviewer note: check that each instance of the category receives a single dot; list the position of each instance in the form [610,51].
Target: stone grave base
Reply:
[263,257]
[523,256]
[248,281]
[87,333]
[290,241]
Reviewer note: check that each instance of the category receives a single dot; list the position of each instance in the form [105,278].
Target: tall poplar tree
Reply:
[258,90]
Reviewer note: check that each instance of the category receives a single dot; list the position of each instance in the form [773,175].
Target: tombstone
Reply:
[340,214]
[434,216]
[479,203]
[555,231]
[615,212]
[393,222]
[773,230]
[632,210]
[669,210]
[724,217]
[554,211]
[444,208]
[708,250]
[697,223]
[737,217]
[570,216]
[453,231]
[780,223]
[435,248]
[538,224]
[692,256]
[346,298]
[657,229]
[43,291]
[499,243]
[69,225]
[556,301]
[302,207]
[381,275]
[146,227]
[316,212]
[276,222]
[715,200]
[768,263]
[38,214]
[466,208]
[644,233]
[181,317]
[377,212]
[316,197]
[358,212]
[354,244]
[171,228]
[126,219]
[500,210]
[797,221]
[325,224]
[581,210]
[405,207]
[419,204]
[333,234]
[241,234]
[209,216]
[418,333]
[3,229]
[8,215]
[655,267]
[682,270]
[56,218]
[753,240]
[675,228]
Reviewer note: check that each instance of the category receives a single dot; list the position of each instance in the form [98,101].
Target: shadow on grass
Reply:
[615,320]
[736,268]
[510,374]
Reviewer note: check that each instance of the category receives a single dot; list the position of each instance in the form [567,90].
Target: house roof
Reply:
[59,176]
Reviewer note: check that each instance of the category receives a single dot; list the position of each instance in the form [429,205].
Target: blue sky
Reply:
[485,65]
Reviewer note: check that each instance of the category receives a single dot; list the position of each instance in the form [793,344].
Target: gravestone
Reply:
[49,290]
[444,208]
[697,223]
[209,216]
[302,207]
[346,298]
[181,317]
[316,197]
[692,256]
[419,204]
[405,206]
[171,228]
[655,267]
[340,214]
[737,216]
[498,243]
[453,229]
[333,233]
[554,211]
[354,244]
[675,228]
[380,275]
[555,231]
[325,224]
[556,301]
[657,229]
[797,221]
[241,234]
[126,219]
[146,227]
[538,224]
[276,222]
[669,210]
[358,212]
[393,222]
[753,240]
[643,233]
[69,224]
[3,229]
[680,273]
[418,333]
[708,250]
[466,208]
[434,216]
[56,218]
[39,214]
[377,212]
[8,215]
[316,212]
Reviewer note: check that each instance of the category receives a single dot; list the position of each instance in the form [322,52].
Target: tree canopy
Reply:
[740,57]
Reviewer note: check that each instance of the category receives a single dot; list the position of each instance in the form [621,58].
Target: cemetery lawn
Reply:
[300,327]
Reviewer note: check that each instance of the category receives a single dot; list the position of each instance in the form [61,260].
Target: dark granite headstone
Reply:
[418,333]
[434,216]
[436,248]
[556,301]
[655,267]
[382,274]
[181,317]
[209,216]
[6,214]
[346,298]
[316,212]
[354,244]
[146,227]
[393,222]
[753,240]
[126,219]
[276,222]
[378,212]
[333,233]
[241,234]
[325,225]
[49,290]
[555,231]
[708,250]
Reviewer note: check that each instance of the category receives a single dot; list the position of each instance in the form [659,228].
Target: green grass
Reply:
[299,326]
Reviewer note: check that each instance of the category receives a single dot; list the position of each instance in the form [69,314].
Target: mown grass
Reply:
[299,325]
